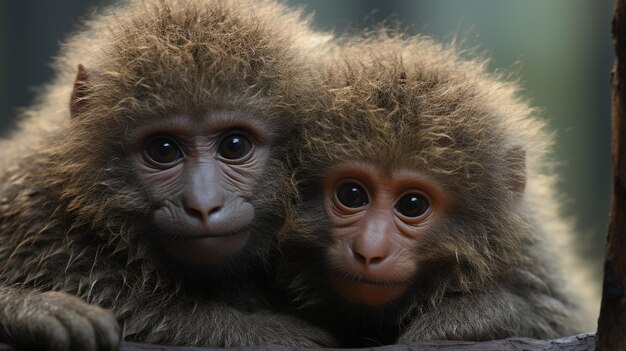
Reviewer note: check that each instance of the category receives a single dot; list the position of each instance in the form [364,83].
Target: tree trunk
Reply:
[612,321]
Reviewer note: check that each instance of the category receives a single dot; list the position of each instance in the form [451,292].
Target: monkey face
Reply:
[377,218]
[199,175]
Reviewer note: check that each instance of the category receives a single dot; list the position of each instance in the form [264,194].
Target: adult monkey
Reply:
[426,212]
[151,199]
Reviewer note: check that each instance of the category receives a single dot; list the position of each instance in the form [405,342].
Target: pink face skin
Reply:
[200,173]
[377,219]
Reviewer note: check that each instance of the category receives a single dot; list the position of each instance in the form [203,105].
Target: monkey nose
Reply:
[369,252]
[373,243]
[203,209]
[368,260]
[203,213]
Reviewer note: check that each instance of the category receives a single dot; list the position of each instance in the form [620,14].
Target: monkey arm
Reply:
[218,324]
[55,321]
[58,321]
[488,315]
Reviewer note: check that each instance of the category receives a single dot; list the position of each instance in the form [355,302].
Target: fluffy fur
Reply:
[492,266]
[72,211]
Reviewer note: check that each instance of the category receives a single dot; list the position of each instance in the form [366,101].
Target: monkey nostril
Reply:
[214,210]
[195,213]
[376,260]
[360,258]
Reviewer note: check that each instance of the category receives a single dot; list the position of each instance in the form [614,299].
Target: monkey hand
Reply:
[273,329]
[479,316]
[495,314]
[55,321]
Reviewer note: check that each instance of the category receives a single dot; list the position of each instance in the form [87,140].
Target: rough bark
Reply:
[612,321]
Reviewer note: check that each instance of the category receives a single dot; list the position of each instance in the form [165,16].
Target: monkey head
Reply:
[179,119]
[412,181]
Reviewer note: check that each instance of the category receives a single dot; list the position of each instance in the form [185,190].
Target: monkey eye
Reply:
[412,205]
[352,195]
[163,150]
[234,146]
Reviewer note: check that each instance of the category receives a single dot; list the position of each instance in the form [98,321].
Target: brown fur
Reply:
[491,267]
[72,212]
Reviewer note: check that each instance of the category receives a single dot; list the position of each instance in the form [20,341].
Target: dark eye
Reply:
[234,146]
[412,205]
[352,195]
[163,150]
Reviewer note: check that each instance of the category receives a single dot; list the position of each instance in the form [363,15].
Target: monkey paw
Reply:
[287,331]
[57,321]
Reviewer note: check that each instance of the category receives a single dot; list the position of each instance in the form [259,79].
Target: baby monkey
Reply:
[140,197]
[426,212]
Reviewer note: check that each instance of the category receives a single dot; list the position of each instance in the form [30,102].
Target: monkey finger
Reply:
[106,328]
[37,330]
[81,335]
[88,327]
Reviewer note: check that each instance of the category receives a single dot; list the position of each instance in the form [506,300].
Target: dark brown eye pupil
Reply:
[234,147]
[412,205]
[352,195]
[163,150]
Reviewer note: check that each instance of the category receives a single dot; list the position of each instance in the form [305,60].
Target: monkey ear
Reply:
[77,100]
[516,160]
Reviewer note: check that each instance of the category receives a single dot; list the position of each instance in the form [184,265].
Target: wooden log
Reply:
[582,342]
[612,321]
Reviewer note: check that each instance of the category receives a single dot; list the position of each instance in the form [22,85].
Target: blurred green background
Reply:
[561,50]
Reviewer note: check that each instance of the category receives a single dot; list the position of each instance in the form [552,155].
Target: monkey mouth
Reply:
[365,280]
[206,250]
[194,235]
[172,230]
[365,291]
[170,224]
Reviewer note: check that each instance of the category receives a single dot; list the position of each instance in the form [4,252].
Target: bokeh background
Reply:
[560,50]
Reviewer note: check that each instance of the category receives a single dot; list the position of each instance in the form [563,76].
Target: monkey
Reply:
[141,195]
[427,207]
